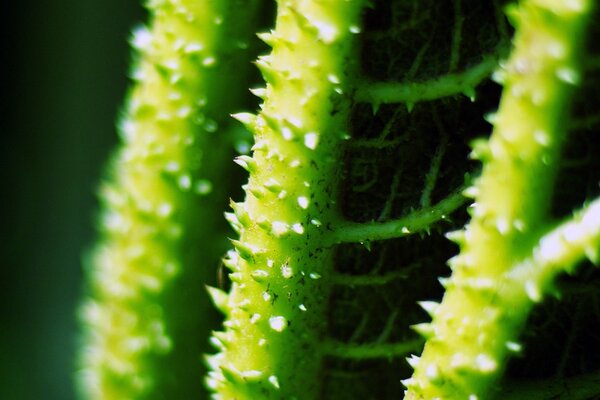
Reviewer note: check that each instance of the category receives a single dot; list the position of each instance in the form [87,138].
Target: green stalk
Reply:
[147,316]
[276,310]
[486,303]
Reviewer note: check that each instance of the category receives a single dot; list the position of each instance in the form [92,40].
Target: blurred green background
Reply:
[65,69]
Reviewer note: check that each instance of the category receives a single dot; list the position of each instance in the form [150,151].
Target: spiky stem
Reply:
[478,322]
[281,268]
[146,313]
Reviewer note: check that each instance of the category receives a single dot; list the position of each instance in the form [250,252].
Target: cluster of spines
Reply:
[133,325]
[476,326]
[275,311]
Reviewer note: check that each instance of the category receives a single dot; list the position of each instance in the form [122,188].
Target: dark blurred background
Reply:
[64,74]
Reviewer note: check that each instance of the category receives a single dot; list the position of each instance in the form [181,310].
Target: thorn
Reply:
[272,185]
[271,121]
[491,118]
[252,375]
[240,212]
[266,37]
[471,192]
[457,237]
[455,262]
[413,361]
[302,21]
[246,251]
[267,71]
[259,275]
[476,210]
[231,264]
[212,360]
[424,329]
[257,192]
[259,145]
[248,119]
[264,224]
[274,381]
[219,298]
[233,221]
[445,282]
[593,254]
[485,363]
[514,347]
[533,291]
[375,106]
[246,162]
[265,58]
[481,150]
[408,382]
[217,344]
[244,304]
[430,307]
[470,93]
[432,372]
[259,92]
[224,337]
[503,226]
[231,374]
[499,76]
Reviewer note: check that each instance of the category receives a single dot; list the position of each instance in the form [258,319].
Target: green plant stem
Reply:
[276,309]
[560,249]
[436,161]
[147,314]
[444,86]
[478,322]
[364,351]
[418,221]
[456,35]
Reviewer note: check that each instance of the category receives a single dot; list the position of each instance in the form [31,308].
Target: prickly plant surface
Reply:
[160,197]
[389,132]
[281,266]
[501,270]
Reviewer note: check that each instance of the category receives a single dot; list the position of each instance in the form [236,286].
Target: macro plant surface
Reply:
[370,139]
